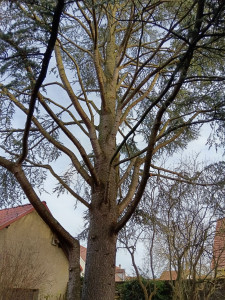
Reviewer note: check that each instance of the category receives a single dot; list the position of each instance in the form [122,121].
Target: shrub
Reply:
[131,290]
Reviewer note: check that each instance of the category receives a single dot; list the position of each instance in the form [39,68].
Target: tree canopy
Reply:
[128,82]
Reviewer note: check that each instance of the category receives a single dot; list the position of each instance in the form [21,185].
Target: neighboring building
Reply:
[218,261]
[33,266]
[83,254]
[120,274]
[32,262]
[168,275]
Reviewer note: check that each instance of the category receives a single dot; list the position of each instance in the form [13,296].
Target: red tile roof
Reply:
[168,275]
[119,270]
[10,215]
[120,274]
[117,278]
[83,253]
[219,245]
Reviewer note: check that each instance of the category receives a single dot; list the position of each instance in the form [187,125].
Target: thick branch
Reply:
[58,145]
[62,182]
[72,138]
[47,56]
[132,187]
[182,68]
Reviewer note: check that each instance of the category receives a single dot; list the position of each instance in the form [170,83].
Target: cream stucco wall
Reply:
[82,264]
[29,242]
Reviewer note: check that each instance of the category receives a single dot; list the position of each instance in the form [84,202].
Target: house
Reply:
[168,275]
[120,274]
[218,261]
[83,254]
[32,263]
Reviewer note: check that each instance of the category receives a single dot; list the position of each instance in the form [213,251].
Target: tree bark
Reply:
[74,285]
[99,281]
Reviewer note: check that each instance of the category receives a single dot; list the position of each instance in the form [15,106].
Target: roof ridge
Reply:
[22,205]
[13,207]
[12,214]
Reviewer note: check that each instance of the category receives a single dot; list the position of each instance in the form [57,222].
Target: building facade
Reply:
[33,265]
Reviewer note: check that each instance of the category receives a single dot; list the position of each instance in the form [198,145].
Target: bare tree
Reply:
[178,223]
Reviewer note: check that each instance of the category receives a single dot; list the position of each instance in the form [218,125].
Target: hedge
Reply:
[131,290]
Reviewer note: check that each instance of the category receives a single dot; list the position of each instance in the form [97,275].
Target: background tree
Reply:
[145,73]
[177,223]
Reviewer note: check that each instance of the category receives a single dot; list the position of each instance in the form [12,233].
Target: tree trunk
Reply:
[99,280]
[74,283]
